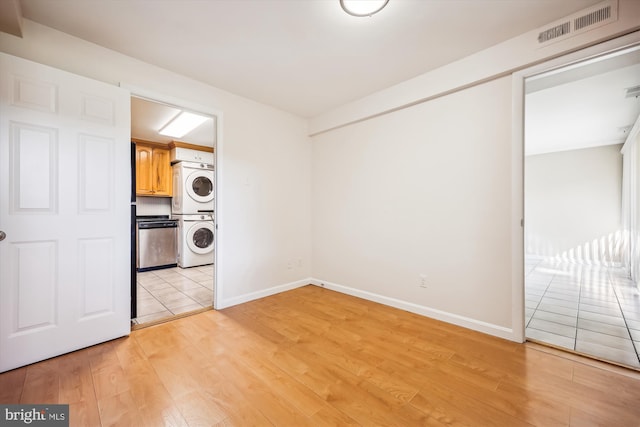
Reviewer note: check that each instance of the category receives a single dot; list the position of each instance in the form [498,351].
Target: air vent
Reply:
[578,23]
[633,92]
[592,18]
[554,33]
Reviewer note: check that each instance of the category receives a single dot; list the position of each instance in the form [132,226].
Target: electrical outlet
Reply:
[422,280]
[289,265]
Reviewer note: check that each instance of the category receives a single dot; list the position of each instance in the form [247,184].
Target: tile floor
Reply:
[586,308]
[170,291]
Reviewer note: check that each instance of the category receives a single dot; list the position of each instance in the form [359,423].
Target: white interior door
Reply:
[64,207]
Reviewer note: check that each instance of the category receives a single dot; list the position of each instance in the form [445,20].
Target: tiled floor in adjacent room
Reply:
[171,291]
[590,309]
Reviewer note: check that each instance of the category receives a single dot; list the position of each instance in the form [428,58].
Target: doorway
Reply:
[579,294]
[186,285]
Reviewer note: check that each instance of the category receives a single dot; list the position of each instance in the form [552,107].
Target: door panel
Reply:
[32,168]
[34,95]
[96,279]
[95,162]
[35,288]
[64,206]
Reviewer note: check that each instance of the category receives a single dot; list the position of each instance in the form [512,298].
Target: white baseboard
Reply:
[229,302]
[465,322]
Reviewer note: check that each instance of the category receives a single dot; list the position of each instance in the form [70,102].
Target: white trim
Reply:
[517,168]
[219,174]
[517,210]
[224,303]
[455,319]
[631,137]
[630,200]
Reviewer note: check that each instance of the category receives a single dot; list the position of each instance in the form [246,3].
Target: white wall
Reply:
[264,195]
[153,205]
[426,177]
[424,190]
[573,204]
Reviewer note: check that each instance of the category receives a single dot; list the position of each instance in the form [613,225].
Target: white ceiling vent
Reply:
[586,20]
[592,18]
[555,32]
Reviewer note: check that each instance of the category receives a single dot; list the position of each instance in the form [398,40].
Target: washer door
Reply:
[199,186]
[200,238]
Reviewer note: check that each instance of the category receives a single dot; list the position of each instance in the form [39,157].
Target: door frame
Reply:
[517,162]
[172,101]
[630,200]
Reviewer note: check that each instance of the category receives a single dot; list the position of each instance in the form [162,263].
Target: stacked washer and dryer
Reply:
[193,206]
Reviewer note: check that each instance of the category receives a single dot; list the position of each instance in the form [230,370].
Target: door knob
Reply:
[3,235]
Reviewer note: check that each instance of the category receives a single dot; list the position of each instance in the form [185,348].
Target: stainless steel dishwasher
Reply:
[156,243]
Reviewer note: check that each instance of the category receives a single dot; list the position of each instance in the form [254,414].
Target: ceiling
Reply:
[302,56]
[148,117]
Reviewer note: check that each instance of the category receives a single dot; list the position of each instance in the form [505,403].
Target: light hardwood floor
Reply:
[313,357]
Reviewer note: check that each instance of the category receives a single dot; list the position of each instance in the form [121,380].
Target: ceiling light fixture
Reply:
[363,8]
[182,124]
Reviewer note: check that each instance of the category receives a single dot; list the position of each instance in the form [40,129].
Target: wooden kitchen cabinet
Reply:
[153,169]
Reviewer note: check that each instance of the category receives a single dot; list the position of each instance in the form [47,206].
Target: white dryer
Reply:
[193,188]
[195,242]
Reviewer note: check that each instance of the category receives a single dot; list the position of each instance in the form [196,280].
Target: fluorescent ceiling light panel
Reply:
[182,124]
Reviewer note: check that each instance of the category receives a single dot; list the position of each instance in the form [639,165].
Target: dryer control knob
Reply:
[3,235]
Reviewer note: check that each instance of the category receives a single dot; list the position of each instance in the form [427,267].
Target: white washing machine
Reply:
[193,188]
[195,240]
